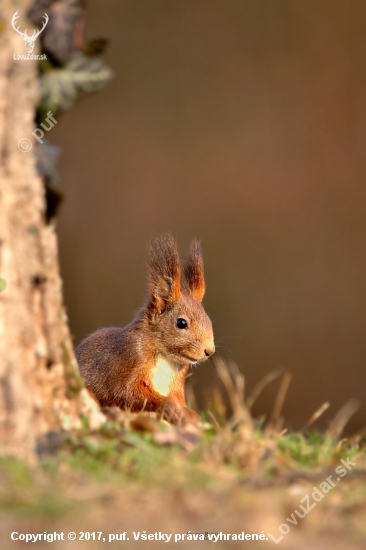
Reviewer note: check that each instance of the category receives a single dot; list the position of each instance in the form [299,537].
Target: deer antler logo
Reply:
[29,40]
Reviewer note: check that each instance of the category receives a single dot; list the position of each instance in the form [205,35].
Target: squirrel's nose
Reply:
[209,351]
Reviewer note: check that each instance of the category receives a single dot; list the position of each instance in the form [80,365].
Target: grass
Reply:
[236,461]
[142,449]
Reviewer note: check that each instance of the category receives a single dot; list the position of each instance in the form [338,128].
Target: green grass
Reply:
[121,456]
[137,451]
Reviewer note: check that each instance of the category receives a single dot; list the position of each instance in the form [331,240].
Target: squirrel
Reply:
[143,365]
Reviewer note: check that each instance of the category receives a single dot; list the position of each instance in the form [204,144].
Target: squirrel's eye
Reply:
[181,323]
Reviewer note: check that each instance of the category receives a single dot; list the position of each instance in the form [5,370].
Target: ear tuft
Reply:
[193,272]
[163,270]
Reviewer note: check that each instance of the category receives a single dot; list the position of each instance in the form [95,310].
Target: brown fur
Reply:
[193,272]
[144,364]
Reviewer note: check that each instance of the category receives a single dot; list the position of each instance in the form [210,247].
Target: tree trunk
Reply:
[40,390]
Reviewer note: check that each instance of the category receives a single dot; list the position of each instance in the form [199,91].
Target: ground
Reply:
[136,474]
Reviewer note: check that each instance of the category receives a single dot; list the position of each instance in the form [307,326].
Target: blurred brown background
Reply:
[242,123]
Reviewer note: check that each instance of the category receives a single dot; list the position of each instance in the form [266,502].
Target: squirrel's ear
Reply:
[193,272]
[163,273]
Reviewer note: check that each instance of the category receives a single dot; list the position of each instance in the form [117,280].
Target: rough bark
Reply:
[40,390]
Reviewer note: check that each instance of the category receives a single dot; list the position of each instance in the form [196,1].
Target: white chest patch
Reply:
[162,377]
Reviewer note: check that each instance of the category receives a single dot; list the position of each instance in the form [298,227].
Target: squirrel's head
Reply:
[182,328]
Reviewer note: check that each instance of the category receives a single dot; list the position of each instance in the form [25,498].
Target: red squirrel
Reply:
[143,365]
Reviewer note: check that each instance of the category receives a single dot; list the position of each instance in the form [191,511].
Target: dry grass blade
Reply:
[317,414]
[341,444]
[191,398]
[214,420]
[235,442]
[216,405]
[338,423]
[281,395]
[355,439]
[233,381]
[239,383]
[258,388]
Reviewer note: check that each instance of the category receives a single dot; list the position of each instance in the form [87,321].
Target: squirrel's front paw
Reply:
[170,412]
[179,416]
[190,416]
